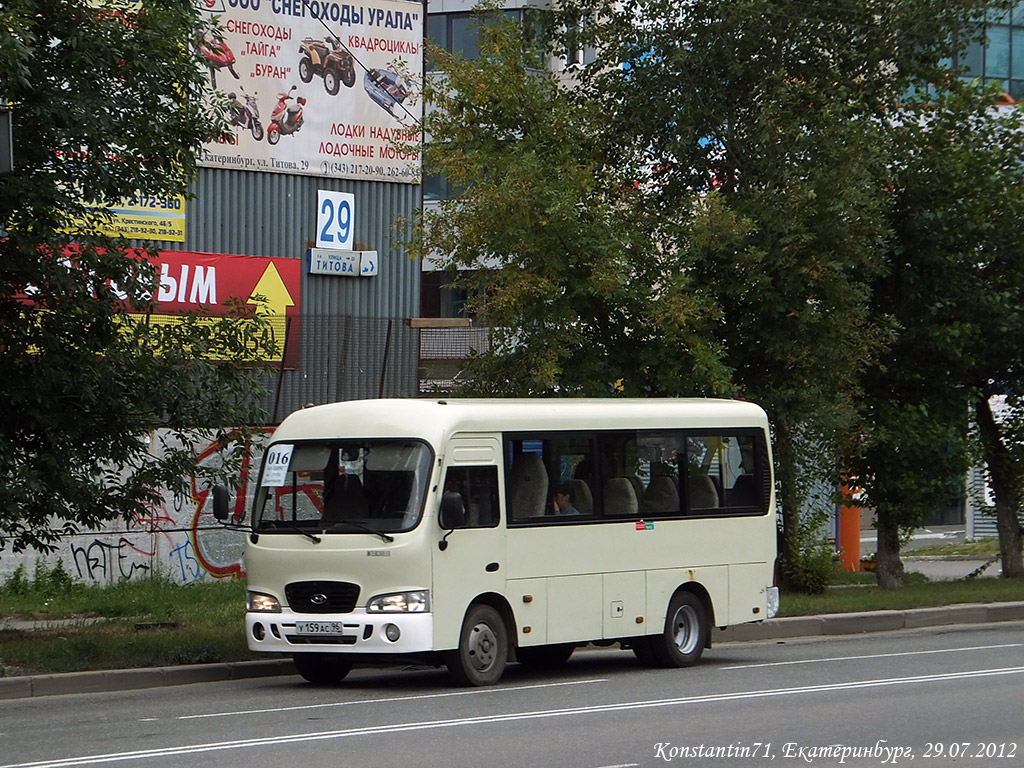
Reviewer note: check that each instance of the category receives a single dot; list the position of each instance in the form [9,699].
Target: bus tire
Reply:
[685,635]
[545,655]
[483,648]
[641,647]
[322,668]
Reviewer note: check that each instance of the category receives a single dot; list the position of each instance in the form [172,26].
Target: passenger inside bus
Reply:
[562,503]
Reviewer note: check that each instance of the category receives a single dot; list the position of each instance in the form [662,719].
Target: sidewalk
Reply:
[937,568]
[798,626]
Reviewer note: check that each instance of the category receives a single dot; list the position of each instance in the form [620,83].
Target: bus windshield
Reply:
[342,486]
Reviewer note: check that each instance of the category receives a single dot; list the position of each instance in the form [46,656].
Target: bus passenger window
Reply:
[662,495]
[582,498]
[478,487]
[528,487]
[620,498]
[721,472]
[743,492]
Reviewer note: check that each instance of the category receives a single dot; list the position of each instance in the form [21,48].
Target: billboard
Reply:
[318,87]
[189,281]
[148,217]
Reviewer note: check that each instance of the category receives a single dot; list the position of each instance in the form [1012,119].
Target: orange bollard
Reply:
[849,532]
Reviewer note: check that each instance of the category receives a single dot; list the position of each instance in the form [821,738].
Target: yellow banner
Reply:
[148,217]
[254,351]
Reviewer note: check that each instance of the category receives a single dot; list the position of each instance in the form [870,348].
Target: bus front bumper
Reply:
[355,632]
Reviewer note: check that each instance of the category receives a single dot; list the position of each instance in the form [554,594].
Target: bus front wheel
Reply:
[682,641]
[322,668]
[483,648]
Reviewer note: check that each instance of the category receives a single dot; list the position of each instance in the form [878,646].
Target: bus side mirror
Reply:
[453,511]
[221,500]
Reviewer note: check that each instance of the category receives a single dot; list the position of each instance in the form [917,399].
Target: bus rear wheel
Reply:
[483,648]
[322,668]
[682,641]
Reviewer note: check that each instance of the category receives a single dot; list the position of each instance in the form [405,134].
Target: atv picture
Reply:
[328,59]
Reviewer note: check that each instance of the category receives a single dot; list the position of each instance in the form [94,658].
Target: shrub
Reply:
[808,565]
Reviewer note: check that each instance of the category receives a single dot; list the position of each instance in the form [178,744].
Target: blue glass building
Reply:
[1000,58]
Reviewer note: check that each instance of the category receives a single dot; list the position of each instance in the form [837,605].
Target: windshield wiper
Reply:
[365,527]
[293,527]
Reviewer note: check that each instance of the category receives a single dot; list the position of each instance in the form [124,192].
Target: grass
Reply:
[146,623]
[152,623]
[858,592]
[979,548]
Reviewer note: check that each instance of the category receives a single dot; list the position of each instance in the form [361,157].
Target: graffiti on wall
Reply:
[99,560]
[178,539]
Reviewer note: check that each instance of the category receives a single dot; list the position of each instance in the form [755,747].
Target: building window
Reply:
[457,33]
[1000,59]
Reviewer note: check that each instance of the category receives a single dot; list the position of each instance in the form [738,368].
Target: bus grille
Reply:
[322,596]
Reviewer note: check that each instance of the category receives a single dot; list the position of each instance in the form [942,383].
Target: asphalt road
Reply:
[942,695]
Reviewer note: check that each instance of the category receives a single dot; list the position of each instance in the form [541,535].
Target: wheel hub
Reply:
[482,645]
[685,629]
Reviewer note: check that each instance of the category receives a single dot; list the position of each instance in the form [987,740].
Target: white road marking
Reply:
[870,656]
[388,700]
[506,717]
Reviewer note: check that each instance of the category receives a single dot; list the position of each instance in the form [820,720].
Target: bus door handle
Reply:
[491,567]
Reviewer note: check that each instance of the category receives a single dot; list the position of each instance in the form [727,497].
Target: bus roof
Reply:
[435,418]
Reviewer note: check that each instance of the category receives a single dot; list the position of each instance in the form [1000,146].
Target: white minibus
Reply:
[475,533]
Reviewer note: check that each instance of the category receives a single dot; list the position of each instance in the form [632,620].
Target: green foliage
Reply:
[150,622]
[576,278]
[979,548]
[808,561]
[918,593]
[781,114]
[18,583]
[724,203]
[108,101]
[954,285]
[46,583]
[53,581]
[159,624]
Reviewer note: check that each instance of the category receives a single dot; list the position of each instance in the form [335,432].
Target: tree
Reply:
[781,109]
[583,292]
[1002,439]
[735,151]
[954,285]
[757,106]
[108,101]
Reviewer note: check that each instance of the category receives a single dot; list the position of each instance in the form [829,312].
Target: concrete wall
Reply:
[179,540]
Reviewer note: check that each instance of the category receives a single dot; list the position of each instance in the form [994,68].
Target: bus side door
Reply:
[472,561]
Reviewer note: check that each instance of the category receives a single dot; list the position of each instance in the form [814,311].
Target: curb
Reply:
[134,679]
[772,629]
[874,621]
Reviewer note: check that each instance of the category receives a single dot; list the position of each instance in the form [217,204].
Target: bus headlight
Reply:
[257,602]
[400,602]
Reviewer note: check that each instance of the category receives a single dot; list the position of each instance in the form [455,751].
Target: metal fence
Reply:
[349,358]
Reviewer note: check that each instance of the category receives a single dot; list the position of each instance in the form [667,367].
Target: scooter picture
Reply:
[328,59]
[287,118]
[217,54]
[246,115]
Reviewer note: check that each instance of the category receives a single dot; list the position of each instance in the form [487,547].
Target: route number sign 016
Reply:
[335,215]
[275,469]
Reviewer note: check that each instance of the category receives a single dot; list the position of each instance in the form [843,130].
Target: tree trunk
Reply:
[1006,487]
[785,463]
[888,565]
